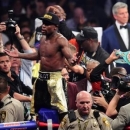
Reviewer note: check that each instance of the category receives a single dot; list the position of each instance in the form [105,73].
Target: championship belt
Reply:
[124,57]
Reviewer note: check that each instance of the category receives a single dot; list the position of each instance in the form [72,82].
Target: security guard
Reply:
[84,118]
[11,110]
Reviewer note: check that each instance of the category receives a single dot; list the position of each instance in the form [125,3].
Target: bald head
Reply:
[84,103]
[82,94]
[91,62]
[90,66]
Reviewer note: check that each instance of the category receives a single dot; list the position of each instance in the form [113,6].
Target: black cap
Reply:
[50,18]
[87,33]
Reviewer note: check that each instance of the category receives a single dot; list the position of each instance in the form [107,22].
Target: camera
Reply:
[10,24]
[121,83]
[106,91]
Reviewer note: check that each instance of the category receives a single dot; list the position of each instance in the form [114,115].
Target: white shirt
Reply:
[26,70]
[123,33]
[89,86]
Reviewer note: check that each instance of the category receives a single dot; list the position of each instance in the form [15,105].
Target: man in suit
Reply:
[117,35]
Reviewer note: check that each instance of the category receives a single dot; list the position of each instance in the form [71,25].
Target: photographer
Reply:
[102,96]
[122,96]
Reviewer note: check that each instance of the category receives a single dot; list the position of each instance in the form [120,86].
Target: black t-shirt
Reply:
[16,85]
[74,77]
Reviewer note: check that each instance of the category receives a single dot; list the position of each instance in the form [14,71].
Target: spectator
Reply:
[84,117]
[11,110]
[92,22]
[25,22]
[31,10]
[85,84]
[7,45]
[89,45]
[91,9]
[78,21]
[88,38]
[40,7]
[22,67]
[18,9]
[17,88]
[71,89]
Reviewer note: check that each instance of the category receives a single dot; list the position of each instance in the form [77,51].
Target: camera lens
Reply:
[11,27]
[96,93]
[10,24]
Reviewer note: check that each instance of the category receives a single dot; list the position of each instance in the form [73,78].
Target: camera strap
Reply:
[71,115]
[96,115]
[124,57]
[11,37]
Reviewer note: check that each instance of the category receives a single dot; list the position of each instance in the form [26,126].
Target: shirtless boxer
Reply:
[48,90]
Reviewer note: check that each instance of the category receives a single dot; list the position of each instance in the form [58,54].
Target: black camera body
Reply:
[106,91]
[10,24]
[121,83]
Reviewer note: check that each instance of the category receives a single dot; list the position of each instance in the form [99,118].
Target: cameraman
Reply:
[96,81]
[120,99]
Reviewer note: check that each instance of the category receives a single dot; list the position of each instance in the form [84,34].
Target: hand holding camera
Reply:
[121,83]
[17,32]
[2,26]
[100,100]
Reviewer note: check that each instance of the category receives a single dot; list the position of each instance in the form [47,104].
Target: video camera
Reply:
[121,83]
[106,91]
[10,24]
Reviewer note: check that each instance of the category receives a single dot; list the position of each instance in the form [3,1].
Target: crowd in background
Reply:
[93,59]
[96,13]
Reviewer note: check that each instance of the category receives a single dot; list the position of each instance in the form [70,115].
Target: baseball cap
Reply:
[87,33]
[50,18]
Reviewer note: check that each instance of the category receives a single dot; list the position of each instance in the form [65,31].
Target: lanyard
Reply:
[85,125]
